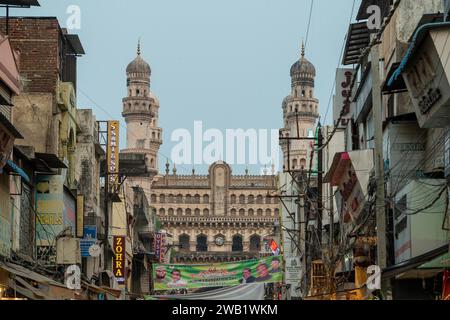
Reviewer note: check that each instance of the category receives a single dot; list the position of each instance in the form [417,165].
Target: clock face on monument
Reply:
[220,241]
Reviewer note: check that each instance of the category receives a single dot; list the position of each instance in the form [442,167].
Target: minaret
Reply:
[300,110]
[140,110]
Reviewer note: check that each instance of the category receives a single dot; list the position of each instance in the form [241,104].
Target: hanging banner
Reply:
[119,259]
[174,276]
[112,154]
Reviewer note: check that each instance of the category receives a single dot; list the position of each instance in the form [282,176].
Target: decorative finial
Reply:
[193,171]
[246,171]
[174,169]
[167,167]
[303,49]
[139,47]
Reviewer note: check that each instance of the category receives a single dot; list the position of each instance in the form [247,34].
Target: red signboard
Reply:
[119,259]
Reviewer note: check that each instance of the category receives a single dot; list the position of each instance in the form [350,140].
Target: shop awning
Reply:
[414,264]
[51,160]
[443,262]
[13,168]
[47,289]
[10,127]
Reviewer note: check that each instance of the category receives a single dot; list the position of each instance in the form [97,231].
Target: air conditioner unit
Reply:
[68,251]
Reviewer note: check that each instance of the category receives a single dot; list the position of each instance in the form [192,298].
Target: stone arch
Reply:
[179,198]
[233,199]
[188,198]
[251,212]
[241,212]
[170,211]
[268,212]
[183,241]
[233,212]
[205,198]
[259,212]
[162,212]
[242,199]
[153,198]
[202,243]
[205,212]
[255,243]
[251,199]
[188,212]
[197,198]
[162,198]
[179,212]
[259,199]
[237,243]
[170,198]
[197,212]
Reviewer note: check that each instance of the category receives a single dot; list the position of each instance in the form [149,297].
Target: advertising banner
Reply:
[174,276]
[343,96]
[119,259]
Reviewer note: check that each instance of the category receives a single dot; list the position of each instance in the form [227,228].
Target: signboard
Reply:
[160,246]
[174,276]
[90,238]
[80,215]
[119,259]
[112,154]
[293,269]
[49,208]
[343,96]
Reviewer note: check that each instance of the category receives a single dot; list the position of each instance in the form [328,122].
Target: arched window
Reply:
[205,198]
[268,212]
[197,212]
[170,212]
[237,245]
[153,135]
[303,163]
[179,212]
[255,243]
[294,164]
[183,241]
[152,163]
[242,212]
[268,200]
[202,243]
[153,198]
[233,199]
[180,198]
[188,198]
[259,199]
[170,198]
[188,212]
[233,212]
[162,212]
[251,199]
[276,212]
[242,199]
[197,198]
[260,212]
[206,212]
[251,212]
[162,198]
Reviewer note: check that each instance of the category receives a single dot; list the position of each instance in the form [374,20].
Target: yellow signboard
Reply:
[113,155]
[80,216]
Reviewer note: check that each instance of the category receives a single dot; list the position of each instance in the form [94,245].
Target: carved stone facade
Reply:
[216,217]
[300,113]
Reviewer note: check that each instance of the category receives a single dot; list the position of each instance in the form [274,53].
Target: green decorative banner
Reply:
[176,276]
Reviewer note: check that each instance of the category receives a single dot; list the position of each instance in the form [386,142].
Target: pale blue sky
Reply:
[223,62]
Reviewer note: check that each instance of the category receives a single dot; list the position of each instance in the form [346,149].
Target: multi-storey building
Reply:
[216,217]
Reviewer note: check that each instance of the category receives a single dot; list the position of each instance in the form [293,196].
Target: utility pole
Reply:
[379,161]
[319,183]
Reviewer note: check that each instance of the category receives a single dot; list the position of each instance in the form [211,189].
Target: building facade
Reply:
[216,217]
